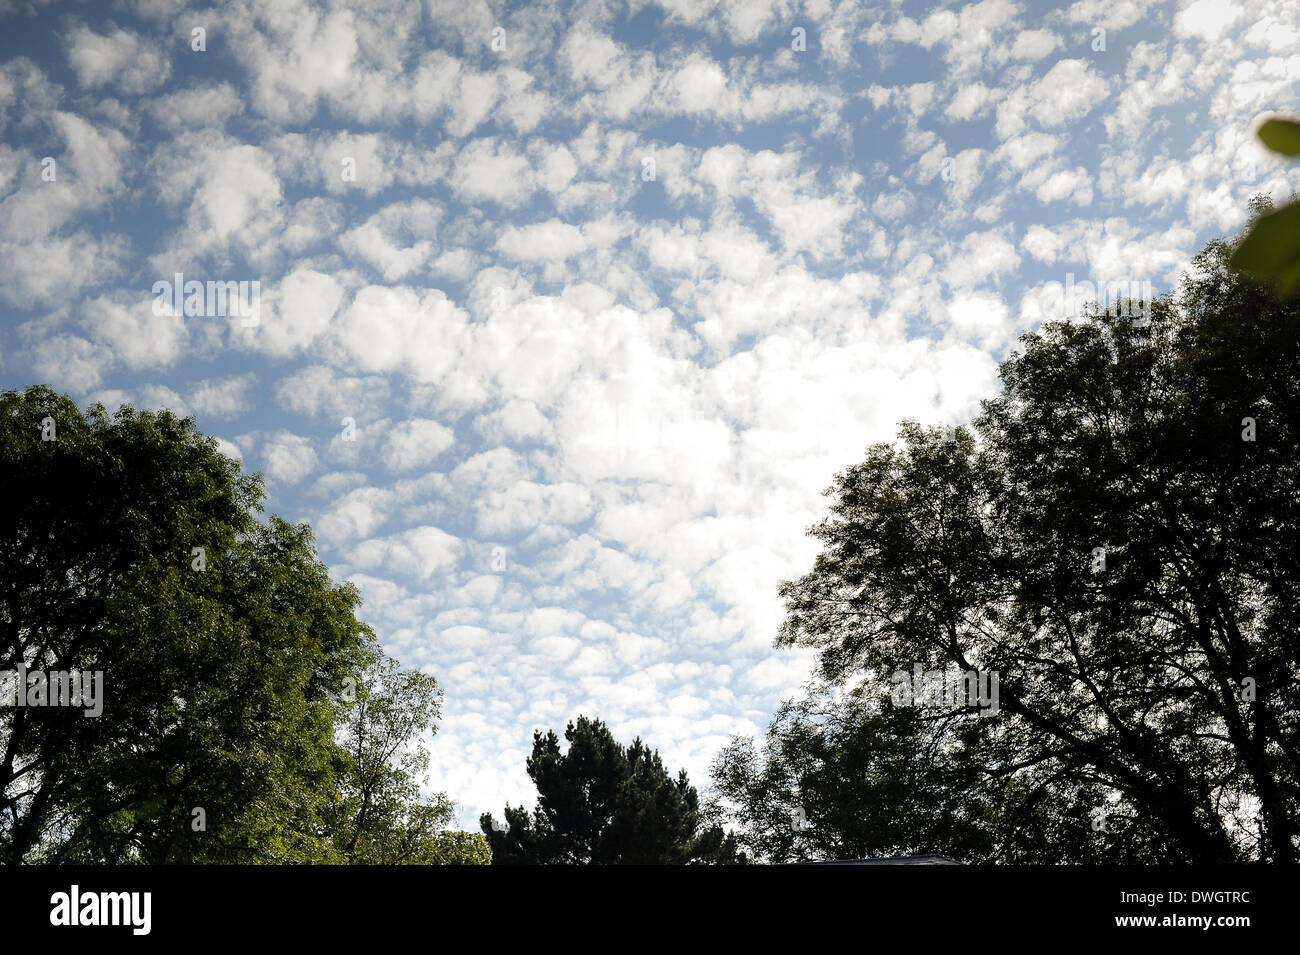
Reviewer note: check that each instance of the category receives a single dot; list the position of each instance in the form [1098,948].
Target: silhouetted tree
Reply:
[1118,537]
[600,803]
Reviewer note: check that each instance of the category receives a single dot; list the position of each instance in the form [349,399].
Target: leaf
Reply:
[1281,136]
[1271,251]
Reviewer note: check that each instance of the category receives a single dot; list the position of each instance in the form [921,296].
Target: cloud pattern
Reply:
[569,311]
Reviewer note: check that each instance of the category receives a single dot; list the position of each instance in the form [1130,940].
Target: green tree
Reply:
[1116,537]
[133,548]
[452,847]
[383,756]
[600,803]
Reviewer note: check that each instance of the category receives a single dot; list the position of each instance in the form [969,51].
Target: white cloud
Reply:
[119,58]
[972,100]
[1110,14]
[67,361]
[134,332]
[1206,19]
[319,390]
[210,104]
[488,170]
[232,198]
[400,329]
[287,457]
[421,552]
[980,317]
[1035,44]
[1073,184]
[297,311]
[42,260]
[356,514]
[398,240]
[1070,90]
[223,398]
[416,443]
[229,449]
[518,420]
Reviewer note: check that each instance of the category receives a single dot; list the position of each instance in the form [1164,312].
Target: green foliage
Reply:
[459,848]
[602,804]
[223,685]
[1123,689]
[1271,249]
[382,819]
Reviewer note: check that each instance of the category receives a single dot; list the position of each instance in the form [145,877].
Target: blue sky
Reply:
[607,301]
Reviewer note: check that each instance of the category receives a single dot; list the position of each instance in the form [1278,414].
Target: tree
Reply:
[133,551]
[842,779]
[1116,538]
[603,804]
[847,776]
[383,756]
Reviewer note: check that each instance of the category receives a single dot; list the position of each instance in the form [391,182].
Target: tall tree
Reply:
[134,550]
[1116,538]
[383,818]
[601,803]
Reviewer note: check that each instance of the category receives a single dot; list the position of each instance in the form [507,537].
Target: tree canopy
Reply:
[600,803]
[230,661]
[1116,537]
[382,818]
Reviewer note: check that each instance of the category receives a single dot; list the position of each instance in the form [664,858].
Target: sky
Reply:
[559,318]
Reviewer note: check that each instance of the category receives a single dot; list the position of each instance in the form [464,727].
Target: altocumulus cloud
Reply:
[570,310]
